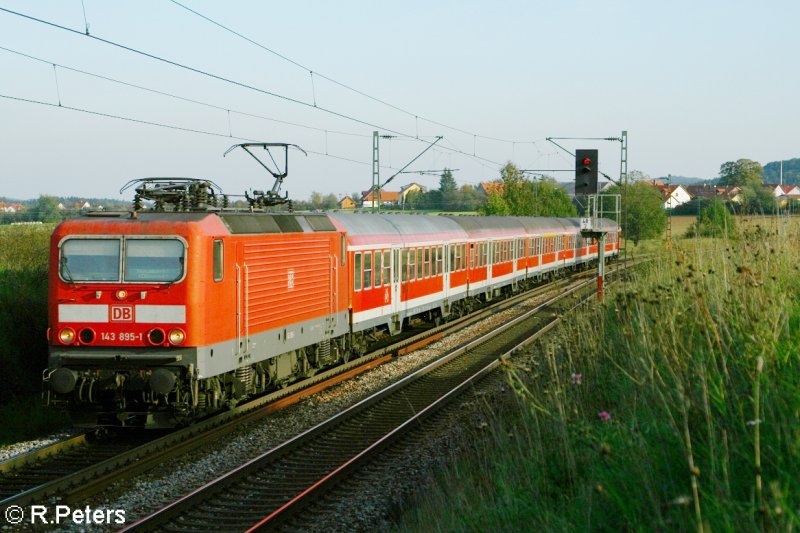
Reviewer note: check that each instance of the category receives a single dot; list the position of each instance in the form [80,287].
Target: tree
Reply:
[469,198]
[495,205]
[46,209]
[758,200]
[645,217]
[447,184]
[448,190]
[330,201]
[713,221]
[791,171]
[550,200]
[523,197]
[741,173]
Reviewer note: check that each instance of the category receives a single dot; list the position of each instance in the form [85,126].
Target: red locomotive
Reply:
[160,316]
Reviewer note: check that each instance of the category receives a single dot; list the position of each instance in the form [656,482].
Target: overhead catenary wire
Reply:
[313,72]
[171,126]
[179,97]
[223,78]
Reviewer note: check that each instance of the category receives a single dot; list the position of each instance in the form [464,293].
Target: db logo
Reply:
[122,313]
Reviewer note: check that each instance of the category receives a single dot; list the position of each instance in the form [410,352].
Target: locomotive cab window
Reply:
[154,260]
[90,260]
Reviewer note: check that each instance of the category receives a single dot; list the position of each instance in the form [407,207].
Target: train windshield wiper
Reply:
[65,270]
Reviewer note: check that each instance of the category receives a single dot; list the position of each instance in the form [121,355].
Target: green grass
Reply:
[697,363]
[24,252]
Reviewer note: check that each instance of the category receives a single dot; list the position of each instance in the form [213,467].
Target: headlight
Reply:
[66,335]
[176,336]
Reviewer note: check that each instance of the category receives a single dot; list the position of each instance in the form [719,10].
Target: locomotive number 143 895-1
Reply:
[124,336]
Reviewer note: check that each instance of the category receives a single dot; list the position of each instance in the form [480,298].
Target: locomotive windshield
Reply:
[159,260]
[139,260]
[90,260]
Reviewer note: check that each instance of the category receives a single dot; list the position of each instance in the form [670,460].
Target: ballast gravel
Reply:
[18,448]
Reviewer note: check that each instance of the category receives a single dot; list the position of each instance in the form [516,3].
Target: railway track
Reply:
[74,470]
[268,491]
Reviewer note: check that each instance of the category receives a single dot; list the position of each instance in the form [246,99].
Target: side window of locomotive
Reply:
[154,260]
[218,260]
[90,260]
[357,271]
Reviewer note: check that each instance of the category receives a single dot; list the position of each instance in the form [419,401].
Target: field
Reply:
[23,323]
[674,406]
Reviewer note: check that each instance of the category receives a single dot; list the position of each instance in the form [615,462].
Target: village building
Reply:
[6,207]
[387,198]
[346,203]
[674,195]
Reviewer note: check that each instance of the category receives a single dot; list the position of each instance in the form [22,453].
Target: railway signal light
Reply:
[585,171]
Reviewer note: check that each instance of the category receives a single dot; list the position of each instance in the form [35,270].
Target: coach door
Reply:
[397,305]
[446,262]
[241,300]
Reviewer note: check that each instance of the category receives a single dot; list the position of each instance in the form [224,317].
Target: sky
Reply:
[694,83]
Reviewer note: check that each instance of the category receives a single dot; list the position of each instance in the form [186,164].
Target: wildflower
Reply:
[604,415]
[681,501]
[576,379]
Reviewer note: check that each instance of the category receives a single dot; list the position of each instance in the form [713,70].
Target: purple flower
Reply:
[604,415]
[576,379]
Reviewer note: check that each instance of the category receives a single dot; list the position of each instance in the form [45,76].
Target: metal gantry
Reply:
[600,211]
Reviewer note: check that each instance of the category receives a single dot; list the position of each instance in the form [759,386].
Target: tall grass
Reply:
[673,406]
[23,324]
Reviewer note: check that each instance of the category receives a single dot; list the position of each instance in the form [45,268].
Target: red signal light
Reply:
[587,161]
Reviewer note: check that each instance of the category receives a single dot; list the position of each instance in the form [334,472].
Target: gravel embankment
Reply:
[18,448]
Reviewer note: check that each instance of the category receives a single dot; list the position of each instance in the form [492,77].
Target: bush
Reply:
[713,221]
[23,308]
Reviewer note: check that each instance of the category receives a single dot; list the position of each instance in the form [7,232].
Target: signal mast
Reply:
[598,208]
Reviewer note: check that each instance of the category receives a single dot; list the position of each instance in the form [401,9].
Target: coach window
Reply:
[412,264]
[404,265]
[439,258]
[420,264]
[378,268]
[387,267]
[367,270]
[90,260]
[218,259]
[154,260]
[427,262]
[357,271]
